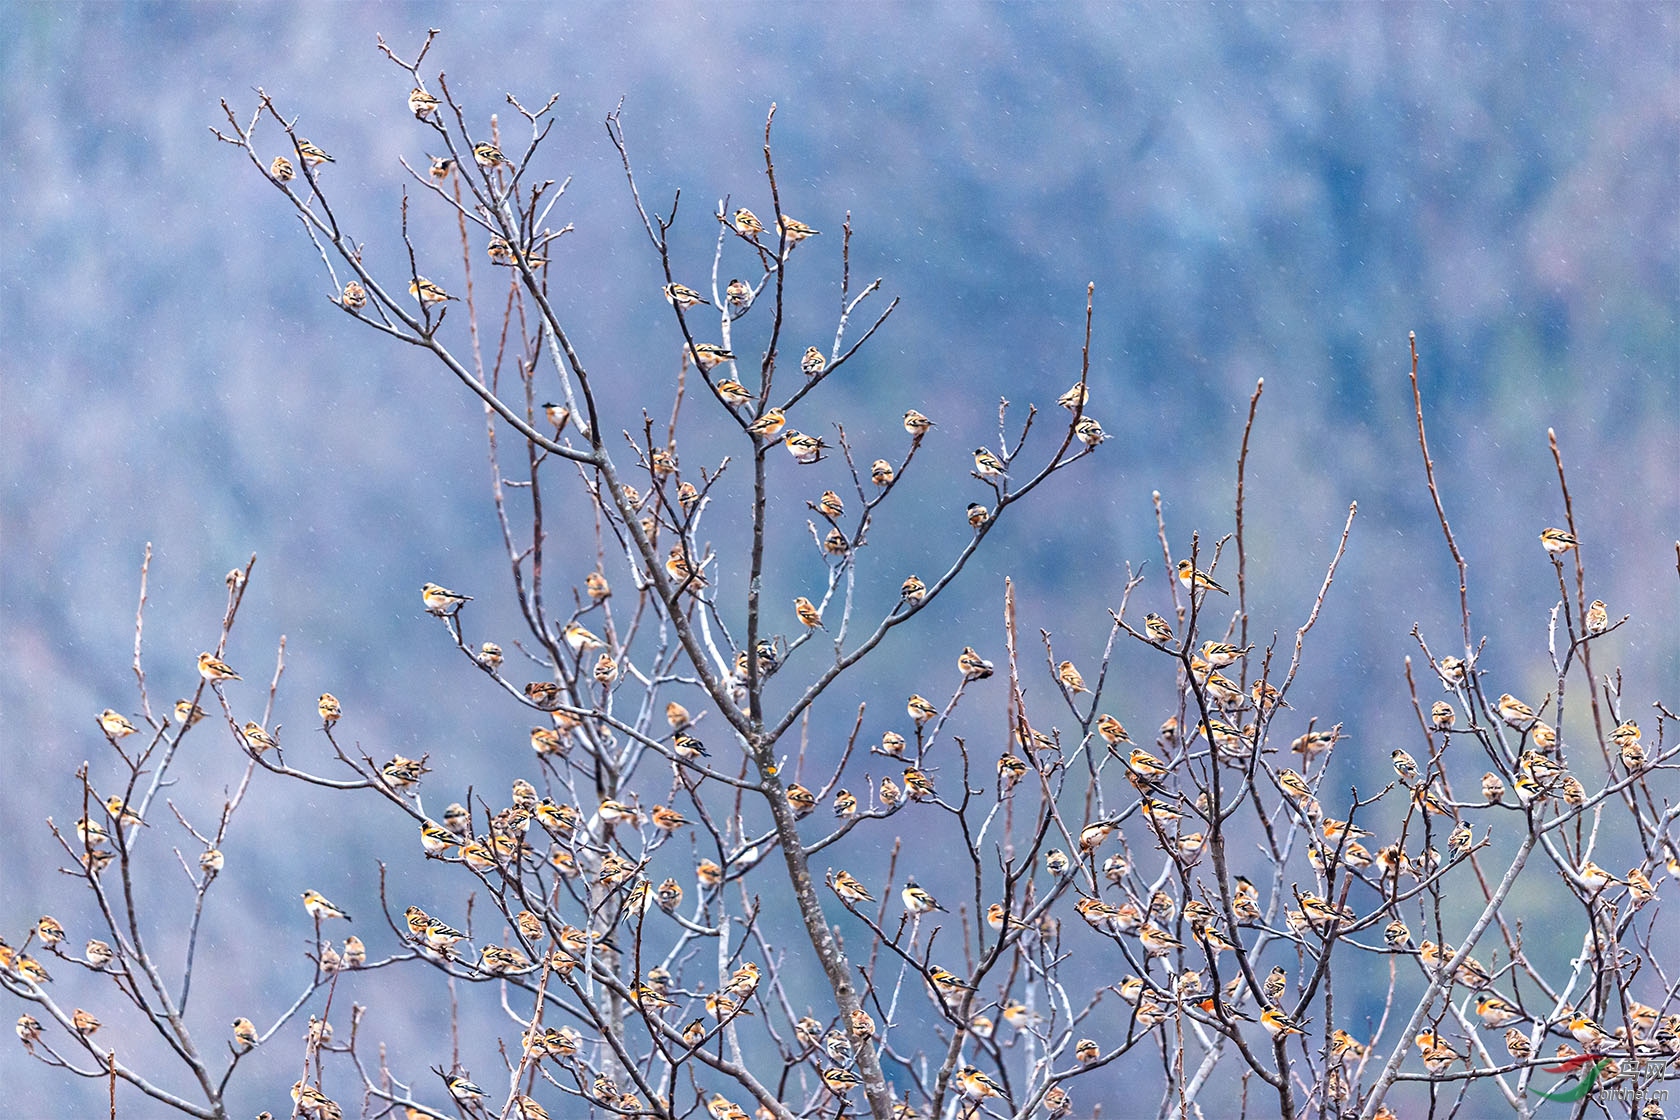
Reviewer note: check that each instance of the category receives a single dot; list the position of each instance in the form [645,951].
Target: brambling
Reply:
[428,292]
[441,601]
[1191,577]
[972,666]
[313,155]
[422,104]
[1277,1024]
[316,905]
[796,231]
[1222,654]
[1404,765]
[975,1085]
[1495,1011]
[245,1032]
[918,785]
[739,295]
[803,801]
[731,392]
[1515,713]
[805,449]
[708,355]
[768,425]
[918,901]
[989,466]
[213,668]
[848,888]
[1111,731]
[681,295]
[809,616]
[1556,541]
[920,708]
[487,155]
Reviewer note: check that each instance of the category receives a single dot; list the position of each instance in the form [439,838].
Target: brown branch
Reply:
[1440,510]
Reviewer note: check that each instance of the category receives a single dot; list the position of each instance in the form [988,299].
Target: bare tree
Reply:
[1227,871]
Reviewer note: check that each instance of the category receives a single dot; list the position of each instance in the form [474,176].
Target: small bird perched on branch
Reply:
[213,668]
[976,1085]
[1404,765]
[245,1032]
[487,155]
[972,666]
[739,295]
[809,616]
[796,231]
[747,223]
[116,725]
[805,449]
[681,295]
[1192,577]
[319,908]
[256,738]
[422,104]
[312,155]
[1112,731]
[1515,713]
[916,424]
[427,292]
[769,425]
[441,601]
[1221,655]
[1278,1024]
[580,639]
[841,1081]
[921,709]
[988,466]
[121,813]
[1157,629]
[850,890]
[917,900]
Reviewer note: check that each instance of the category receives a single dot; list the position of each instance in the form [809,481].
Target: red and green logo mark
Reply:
[1572,1065]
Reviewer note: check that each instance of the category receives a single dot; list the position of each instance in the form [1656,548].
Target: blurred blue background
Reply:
[1256,191]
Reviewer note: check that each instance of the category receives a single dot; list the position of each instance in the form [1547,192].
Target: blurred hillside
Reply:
[1270,191]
